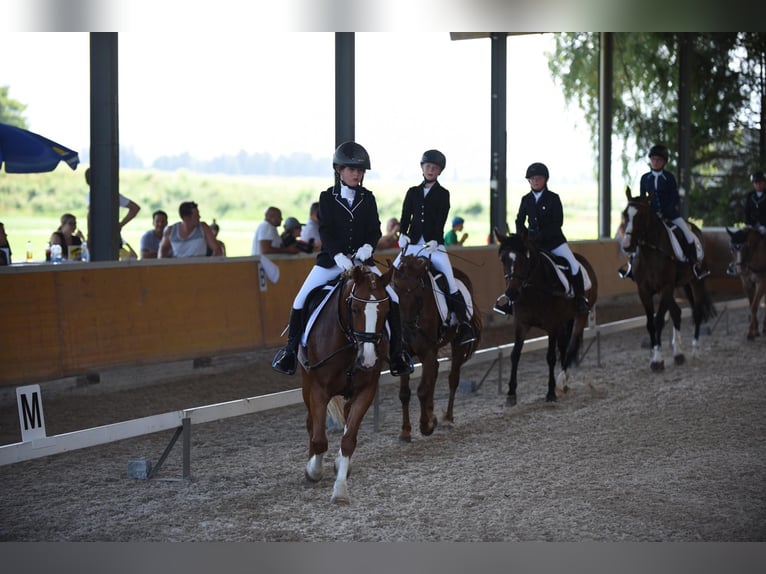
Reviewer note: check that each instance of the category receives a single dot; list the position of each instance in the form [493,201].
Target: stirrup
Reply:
[700,273]
[503,305]
[400,364]
[731,270]
[285,362]
[467,336]
[625,272]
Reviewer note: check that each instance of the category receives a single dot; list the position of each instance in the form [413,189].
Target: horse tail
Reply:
[573,337]
[702,303]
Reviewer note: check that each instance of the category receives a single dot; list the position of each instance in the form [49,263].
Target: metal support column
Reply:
[498,178]
[685,55]
[605,81]
[344,87]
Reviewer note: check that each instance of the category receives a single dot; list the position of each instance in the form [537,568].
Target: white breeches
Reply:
[439,261]
[320,275]
[563,250]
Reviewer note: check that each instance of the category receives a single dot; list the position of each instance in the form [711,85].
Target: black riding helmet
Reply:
[537,169]
[659,150]
[434,156]
[758,176]
[351,154]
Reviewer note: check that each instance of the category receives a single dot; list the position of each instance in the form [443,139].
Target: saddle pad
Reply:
[565,283]
[441,299]
[315,313]
[677,249]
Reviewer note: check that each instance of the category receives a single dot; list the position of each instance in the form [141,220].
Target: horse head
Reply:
[367,305]
[515,252]
[638,218]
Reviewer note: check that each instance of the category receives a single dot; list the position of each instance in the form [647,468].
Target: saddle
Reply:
[563,271]
[315,302]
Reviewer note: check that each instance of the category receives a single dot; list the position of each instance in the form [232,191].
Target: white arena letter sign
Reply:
[31,418]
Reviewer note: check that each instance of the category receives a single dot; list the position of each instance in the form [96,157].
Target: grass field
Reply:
[30,205]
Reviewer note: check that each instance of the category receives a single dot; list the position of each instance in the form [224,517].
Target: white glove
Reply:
[342,261]
[404,241]
[762,229]
[364,252]
[431,246]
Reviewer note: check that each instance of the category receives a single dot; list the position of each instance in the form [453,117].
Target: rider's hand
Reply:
[431,246]
[404,241]
[342,261]
[364,252]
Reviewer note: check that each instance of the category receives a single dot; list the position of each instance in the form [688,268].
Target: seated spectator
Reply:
[267,240]
[150,241]
[216,229]
[311,227]
[390,239]
[190,237]
[5,248]
[450,238]
[292,236]
[67,235]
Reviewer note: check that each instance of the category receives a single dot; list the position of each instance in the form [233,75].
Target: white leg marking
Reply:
[314,467]
[677,342]
[340,488]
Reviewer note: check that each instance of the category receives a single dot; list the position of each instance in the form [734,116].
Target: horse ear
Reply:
[388,275]
[498,235]
[628,193]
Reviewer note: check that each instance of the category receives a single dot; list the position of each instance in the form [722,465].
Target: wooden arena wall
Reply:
[71,319]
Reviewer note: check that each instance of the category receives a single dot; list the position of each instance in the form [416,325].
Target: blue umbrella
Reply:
[22,151]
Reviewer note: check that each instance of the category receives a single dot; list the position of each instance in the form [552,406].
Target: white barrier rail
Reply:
[56,444]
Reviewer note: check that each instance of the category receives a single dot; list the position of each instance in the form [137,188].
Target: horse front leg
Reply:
[404,397]
[656,363]
[316,403]
[550,357]
[426,387]
[518,344]
[359,404]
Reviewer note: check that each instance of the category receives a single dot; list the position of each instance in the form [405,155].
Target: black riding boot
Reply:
[399,361]
[464,330]
[286,359]
[578,282]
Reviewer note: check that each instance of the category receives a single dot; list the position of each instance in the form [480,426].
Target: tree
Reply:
[727,87]
[11,110]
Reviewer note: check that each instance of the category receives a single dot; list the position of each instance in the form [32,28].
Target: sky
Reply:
[220,93]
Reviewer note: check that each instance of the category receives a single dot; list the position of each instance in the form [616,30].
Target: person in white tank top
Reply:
[190,237]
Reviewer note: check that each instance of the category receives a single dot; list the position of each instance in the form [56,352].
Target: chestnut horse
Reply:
[540,300]
[752,273]
[343,355]
[424,333]
[657,270]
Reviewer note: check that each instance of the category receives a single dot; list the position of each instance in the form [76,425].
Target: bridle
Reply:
[354,336]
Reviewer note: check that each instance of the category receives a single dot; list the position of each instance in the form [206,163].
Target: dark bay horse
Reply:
[752,273]
[539,300]
[424,333]
[658,270]
[344,352]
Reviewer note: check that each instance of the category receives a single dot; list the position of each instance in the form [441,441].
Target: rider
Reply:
[348,227]
[542,209]
[755,218]
[661,186]
[424,214]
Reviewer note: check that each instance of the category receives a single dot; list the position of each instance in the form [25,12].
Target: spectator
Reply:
[190,237]
[450,238]
[67,235]
[150,241]
[292,236]
[5,248]
[267,240]
[311,227]
[216,229]
[391,238]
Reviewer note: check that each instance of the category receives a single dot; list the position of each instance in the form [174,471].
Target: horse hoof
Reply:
[657,367]
[750,337]
[679,359]
[510,401]
[340,500]
[428,430]
[405,438]
[550,398]
[309,482]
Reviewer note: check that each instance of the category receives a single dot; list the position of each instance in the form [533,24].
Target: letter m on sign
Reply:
[30,412]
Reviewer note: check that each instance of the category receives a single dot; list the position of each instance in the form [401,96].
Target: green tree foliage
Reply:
[11,110]
[727,97]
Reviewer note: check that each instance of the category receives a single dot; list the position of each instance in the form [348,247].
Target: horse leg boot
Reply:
[286,359]
[578,283]
[399,360]
[465,330]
